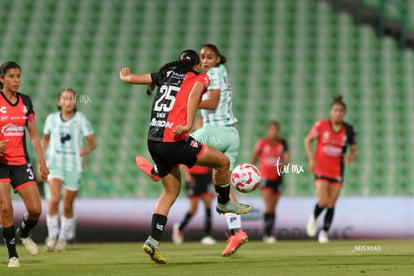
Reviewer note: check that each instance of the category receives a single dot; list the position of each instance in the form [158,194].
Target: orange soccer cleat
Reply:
[234,242]
[146,167]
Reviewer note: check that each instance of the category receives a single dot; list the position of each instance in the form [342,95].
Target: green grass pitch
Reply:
[192,258]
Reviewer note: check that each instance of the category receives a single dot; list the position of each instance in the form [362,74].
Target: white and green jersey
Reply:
[66,140]
[223,114]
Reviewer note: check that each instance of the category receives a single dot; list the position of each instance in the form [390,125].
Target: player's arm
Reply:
[45,143]
[188,178]
[90,147]
[255,156]
[212,101]
[126,76]
[351,156]
[192,105]
[34,139]
[309,152]
[286,157]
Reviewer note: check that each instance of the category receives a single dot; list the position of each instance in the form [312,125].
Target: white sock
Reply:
[72,233]
[52,222]
[66,228]
[233,221]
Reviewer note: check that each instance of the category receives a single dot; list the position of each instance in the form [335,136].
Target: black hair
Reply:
[217,52]
[7,66]
[70,90]
[338,100]
[187,58]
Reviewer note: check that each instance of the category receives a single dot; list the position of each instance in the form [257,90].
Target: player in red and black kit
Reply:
[180,87]
[333,137]
[199,185]
[271,151]
[16,114]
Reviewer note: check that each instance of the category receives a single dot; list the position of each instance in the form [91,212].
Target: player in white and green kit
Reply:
[63,136]
[218,129]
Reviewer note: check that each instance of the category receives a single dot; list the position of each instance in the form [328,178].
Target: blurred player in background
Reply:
[270,151]
[333,136]
[16,115]
[180,86]
[63,136]
[199,185]
[218,129]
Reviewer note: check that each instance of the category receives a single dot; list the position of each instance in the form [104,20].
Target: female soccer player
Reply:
[199,185]
[218,129]
[271,151]
[333,136]
[180,86]
[62,140]
[16,114]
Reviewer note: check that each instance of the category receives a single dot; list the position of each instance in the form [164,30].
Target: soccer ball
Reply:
[245,178]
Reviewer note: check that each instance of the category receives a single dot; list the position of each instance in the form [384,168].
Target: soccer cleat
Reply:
[234,242]
[208,240]
[61,245]
[269,239]
[146,167]
[28,243]
[233,207]
[50,244]
[323,237]
[311,227]
[177,235]
[151,247]
[14,262]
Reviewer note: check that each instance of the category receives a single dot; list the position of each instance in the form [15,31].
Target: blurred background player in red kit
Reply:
[333,137]
[271,151]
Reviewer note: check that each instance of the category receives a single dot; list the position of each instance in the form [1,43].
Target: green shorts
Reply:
[224,138]
[71,180]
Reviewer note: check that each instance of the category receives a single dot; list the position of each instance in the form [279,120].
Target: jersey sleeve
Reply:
[86,126]
[28,106]
[314,132]
[204,79]
[350,135]
[285,146]
[215,79]
[258,147]
[47,128]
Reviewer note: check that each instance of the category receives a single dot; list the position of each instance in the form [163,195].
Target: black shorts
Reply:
[332,181]
[203,184]
[275,185]
[168,155]
[19,176]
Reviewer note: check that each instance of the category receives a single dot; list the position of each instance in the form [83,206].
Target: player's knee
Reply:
[323,203]
[54,201]
[67,208]
[6,210]
[224,163]
[34,212]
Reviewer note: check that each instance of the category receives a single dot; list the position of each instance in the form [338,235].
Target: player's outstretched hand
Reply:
[125,74]
[179,130]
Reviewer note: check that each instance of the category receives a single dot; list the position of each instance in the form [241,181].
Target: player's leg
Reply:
[321,186]
[172,186]
[178,227]
[334,190]
[6,216]
[207,199]
[67,218]
[269,201]
[53,194]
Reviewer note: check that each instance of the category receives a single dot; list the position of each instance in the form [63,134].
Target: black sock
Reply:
[318,210]
[269,220]
[207,223]
[10,241]
[223,193]
[328,219]
[234,231]
[27,226]
[184,223]
[157,226]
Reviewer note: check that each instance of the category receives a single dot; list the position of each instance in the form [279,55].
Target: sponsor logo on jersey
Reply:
[2,118]
[12,130]
[3,109]
[25,109]
[161,123]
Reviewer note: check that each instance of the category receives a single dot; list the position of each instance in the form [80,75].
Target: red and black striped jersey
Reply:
[13,120]
[169,108]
